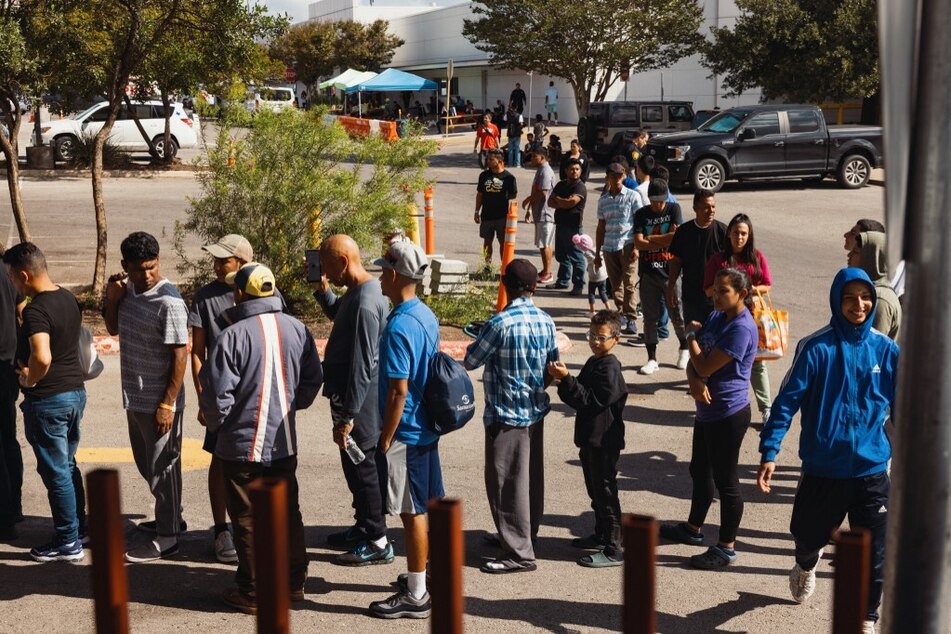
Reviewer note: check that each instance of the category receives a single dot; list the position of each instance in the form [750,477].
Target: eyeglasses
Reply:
[599,338]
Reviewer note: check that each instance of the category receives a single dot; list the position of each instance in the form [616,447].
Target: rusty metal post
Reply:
[430,220]
[508,252]
[271,568]
[640,546]
[447,558]
[110,587]
[850,590]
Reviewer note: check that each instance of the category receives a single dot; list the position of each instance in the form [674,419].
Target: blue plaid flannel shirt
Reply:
[515,346]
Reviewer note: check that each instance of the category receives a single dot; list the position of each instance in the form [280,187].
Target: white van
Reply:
[62,134]
[273,98]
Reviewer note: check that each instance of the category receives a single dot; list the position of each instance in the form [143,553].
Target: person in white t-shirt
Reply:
[551,101]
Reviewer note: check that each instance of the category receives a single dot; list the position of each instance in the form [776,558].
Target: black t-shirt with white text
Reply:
[647,223]
[497,190]
[57,314]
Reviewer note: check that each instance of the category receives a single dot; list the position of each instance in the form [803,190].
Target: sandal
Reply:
[505,566]
[714,559]
[599,560]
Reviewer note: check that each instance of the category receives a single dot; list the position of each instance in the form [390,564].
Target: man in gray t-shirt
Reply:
[150,317]
[539,212]
[351,364]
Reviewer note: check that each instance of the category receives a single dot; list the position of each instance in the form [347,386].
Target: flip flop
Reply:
[599,560]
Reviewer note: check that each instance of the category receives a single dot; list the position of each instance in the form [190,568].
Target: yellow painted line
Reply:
[193,456]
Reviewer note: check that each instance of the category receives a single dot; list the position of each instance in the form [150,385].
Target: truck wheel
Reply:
[582,133]
[854,171]
[708,174]
[65,147]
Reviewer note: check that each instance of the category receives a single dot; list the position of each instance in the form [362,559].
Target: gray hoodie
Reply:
[888,311]
[261,370]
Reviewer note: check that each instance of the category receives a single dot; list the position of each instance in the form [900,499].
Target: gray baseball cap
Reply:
[231,245]
[406,259]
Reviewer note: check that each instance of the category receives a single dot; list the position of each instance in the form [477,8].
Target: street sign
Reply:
[290,75]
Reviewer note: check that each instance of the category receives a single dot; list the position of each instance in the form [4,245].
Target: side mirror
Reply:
[747,134]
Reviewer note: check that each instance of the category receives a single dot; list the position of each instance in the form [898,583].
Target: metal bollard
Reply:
[447,559]
[850,589]
[271,568]
[508,251]
[640,546]
[430,220]
[109,584]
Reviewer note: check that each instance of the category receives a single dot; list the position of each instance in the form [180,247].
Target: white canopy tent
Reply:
[345,80]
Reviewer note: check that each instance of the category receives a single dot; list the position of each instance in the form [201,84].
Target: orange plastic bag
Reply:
[773,327]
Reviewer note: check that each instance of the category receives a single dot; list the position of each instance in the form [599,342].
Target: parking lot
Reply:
[797,226]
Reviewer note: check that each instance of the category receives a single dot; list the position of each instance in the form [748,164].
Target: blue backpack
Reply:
[448,395]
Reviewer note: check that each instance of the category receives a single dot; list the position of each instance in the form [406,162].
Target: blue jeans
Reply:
[514,152]
[52,429]
[662,331]
[569,257]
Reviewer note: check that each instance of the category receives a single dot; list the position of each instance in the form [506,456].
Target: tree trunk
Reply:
[11,151]
[138,124]
[167,111]
[582,98]
[99,273]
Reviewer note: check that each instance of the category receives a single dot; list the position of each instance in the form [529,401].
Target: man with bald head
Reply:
[351,362]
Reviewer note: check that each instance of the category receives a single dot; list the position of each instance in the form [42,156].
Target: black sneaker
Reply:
[150,526]
[681,534]
[366,554]
[348,538]
[402,605]
[639,341]
[577,291]
[150,552]
[557,286]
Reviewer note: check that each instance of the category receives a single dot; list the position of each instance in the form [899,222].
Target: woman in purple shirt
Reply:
[721,358]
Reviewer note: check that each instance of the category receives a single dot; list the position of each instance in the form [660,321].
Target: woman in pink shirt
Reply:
[743,254]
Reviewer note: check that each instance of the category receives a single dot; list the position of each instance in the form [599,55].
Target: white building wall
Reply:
[432,32]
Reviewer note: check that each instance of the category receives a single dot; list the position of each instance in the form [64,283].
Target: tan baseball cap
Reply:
[231,245]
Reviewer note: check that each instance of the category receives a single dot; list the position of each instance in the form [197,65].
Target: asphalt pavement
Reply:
[799,228]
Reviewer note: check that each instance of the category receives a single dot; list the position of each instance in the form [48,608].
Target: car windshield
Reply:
[726,121]
[85,113]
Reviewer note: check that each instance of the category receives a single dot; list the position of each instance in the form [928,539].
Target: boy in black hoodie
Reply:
[598,395]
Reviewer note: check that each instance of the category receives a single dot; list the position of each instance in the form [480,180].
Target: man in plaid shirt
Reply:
[515,346]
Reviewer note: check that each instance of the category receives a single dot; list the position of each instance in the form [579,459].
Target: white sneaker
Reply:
[802,583]
[224,548]
[649,368]
[868,627]
[683,359]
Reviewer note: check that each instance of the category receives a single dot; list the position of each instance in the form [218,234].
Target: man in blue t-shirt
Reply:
[409,342]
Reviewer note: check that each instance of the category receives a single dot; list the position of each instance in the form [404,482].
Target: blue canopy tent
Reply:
[391,80]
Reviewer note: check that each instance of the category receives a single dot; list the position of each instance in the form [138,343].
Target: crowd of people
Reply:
[254,367]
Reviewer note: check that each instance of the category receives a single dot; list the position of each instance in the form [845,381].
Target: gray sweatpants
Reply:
[515,485]
[158,459]
[653,296]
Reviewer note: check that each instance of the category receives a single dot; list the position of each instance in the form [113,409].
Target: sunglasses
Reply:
[599,338]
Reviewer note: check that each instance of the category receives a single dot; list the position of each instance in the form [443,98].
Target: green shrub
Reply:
[291,169]
[477,304]
[113,158]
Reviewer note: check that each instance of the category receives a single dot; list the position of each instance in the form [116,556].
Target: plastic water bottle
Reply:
[355,453]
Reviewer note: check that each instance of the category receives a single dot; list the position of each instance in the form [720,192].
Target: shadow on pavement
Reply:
[552,615]
[710,619]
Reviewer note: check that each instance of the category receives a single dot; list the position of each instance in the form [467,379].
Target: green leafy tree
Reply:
[315,49]
[99,45]
[309,48]
[364,47]
[588,43]
[294,178]
[802,50]
[17,75]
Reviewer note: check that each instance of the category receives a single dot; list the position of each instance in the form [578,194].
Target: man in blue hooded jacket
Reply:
[842,381]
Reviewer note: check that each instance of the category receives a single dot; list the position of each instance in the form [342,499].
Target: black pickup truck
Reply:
[775,141]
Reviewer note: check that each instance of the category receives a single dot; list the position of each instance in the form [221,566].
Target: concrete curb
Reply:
[109,345]
[65,173]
